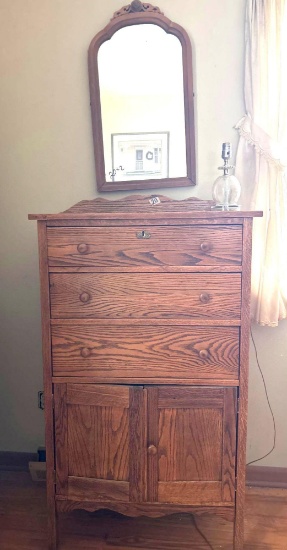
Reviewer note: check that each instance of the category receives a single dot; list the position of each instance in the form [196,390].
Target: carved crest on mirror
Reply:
[135,7]
[141,88]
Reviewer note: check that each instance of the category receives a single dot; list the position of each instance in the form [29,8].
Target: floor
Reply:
[23,524]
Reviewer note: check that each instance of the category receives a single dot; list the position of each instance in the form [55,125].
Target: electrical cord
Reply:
[269,405]
[274,435]
[201,533]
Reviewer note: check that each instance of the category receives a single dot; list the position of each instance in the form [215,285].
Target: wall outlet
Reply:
[41,402]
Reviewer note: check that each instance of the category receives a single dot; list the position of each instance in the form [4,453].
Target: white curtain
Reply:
[261,162]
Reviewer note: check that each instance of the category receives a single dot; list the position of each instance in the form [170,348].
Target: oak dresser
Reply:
[145,316]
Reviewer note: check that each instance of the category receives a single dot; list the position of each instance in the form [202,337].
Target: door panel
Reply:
[99,442]
[192,440]
[190,456]
[95,429]
[189,492]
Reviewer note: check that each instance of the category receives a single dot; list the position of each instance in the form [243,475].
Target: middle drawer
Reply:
[145,295]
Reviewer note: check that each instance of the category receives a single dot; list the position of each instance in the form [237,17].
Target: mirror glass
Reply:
[142,104]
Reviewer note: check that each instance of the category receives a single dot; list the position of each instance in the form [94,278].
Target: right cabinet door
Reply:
[191,445]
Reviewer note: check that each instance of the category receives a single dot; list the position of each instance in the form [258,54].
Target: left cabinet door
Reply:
[100,442]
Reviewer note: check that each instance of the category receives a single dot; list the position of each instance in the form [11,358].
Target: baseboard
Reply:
[16,462]
[266,476]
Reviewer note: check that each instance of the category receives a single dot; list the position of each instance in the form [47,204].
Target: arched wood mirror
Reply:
[140,72]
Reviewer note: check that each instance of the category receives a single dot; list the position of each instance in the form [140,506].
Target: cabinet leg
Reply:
[239,531]
[52,526]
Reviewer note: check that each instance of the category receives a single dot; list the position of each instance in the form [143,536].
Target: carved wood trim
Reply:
[133,206]
[140,203]
[136,7]
[154,510]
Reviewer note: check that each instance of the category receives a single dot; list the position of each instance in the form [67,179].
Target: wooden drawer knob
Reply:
[85,297]
[203,354]
[205,246]
[204,297]
[83,248]
[85,352]
[152,450]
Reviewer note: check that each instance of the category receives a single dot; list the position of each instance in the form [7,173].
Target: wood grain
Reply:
[137,444]
[148,269]
[61,438]
[142,205]
[139,206]
[81,451]
[190,492]
[153,434]
[157,510]
[190,445]
[243,389]
[190,397]
[229,444]
[47,364]
[155,322]
[141,380]
[99,395]
[98,432]
[98,488]
[190,434]
[196,438]
[113,247]
[149,296]
[127,352]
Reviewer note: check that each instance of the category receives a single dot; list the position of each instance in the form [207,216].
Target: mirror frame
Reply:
[134,14]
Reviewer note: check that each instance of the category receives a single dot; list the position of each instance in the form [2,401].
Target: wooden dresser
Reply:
[145,313]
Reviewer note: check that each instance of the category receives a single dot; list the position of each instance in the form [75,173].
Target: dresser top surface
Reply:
[151,206]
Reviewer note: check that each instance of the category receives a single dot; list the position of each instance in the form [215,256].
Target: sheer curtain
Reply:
[261,162]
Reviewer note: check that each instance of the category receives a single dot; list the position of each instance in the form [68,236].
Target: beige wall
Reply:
[47,165]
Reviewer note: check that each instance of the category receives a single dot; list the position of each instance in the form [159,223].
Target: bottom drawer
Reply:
[145,352]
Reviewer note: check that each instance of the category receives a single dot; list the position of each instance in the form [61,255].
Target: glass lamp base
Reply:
[225,207]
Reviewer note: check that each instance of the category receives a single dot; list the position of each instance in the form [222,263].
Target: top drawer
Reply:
[145,246]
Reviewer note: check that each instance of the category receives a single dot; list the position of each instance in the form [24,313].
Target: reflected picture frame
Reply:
[139,155]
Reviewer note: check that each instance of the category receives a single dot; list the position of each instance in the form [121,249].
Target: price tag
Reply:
[154,200]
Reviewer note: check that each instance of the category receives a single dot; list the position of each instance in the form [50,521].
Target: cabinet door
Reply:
[100,440]
[191,445]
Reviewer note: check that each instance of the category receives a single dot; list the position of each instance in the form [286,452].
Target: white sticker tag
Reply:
[154,200]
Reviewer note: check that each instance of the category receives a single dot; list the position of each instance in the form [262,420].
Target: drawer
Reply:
[145,246]
[145,351]
[145,295]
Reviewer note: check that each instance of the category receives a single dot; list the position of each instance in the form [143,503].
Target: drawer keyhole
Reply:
[143,235]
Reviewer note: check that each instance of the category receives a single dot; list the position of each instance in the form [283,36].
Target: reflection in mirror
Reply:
[142,104]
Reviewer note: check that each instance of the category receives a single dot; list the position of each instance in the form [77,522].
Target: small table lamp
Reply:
[226,188]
